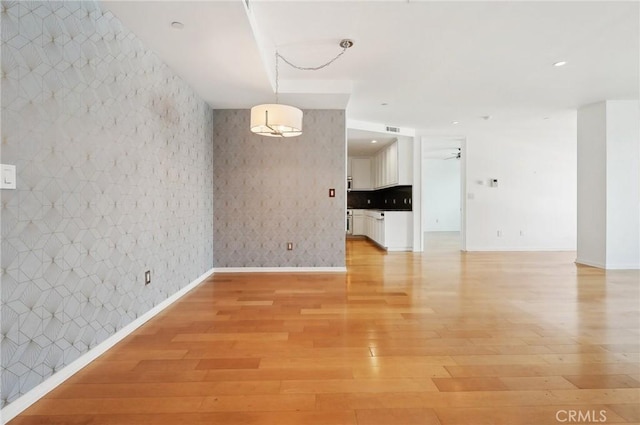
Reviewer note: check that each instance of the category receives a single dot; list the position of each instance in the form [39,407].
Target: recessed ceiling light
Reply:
[177,25]
[374,141]
[560,63]
[455,122]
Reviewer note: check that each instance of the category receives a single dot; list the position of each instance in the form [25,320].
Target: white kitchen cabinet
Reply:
[391,230]
[379,232]
[398,230]
[368,226]
[404,164]
[374,226]
[358,222]
[379,169]
[393,165]
[376,167]
[361,174]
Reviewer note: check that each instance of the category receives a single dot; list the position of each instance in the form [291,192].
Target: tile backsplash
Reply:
[397,198]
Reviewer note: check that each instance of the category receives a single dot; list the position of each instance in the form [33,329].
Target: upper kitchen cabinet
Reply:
[377,158]
[393,165]
[361,174]
[405,162]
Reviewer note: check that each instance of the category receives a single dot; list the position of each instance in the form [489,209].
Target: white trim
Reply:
[19,405]
[280,270]
[516,249]
[607,266]
[464,208]
[590,263]
[623,266]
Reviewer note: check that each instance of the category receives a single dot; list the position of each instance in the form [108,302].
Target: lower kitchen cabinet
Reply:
[398,230]
[358,225]
[374,227]
[358,222]
[391,230]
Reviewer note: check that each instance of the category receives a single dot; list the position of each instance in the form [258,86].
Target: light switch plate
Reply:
[8,178]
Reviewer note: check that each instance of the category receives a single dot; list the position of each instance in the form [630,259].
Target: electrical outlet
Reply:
[289,246]
[147,277]
[499,233]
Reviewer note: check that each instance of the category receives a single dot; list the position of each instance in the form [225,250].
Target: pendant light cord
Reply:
[345,44]
[310,68]
[277,79]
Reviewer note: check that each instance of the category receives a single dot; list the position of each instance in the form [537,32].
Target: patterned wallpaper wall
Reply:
[270,191]
[114,162]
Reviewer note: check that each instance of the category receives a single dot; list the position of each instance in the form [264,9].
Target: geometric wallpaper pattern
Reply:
[114,164]
[270,191]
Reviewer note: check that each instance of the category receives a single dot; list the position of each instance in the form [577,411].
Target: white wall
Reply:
[623,184]
[418,240]
[441,201]
[609,185]
[534,205]
[592,182]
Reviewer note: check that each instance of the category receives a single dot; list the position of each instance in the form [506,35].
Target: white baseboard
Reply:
[600,265]
[399,249]
[515,249]
[26,400]
[623,266]
[590,263]
[280,270]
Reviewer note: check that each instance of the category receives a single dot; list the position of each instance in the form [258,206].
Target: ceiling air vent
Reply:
[393,129]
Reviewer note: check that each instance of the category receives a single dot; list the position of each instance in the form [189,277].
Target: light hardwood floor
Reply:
[442,337]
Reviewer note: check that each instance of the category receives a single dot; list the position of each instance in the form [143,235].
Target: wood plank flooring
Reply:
[442,337]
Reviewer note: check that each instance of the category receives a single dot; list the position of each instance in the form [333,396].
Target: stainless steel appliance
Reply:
[349,222]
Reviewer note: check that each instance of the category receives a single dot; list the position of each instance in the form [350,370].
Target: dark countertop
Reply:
[379,209]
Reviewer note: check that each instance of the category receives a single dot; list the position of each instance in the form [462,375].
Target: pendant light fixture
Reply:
[277,120]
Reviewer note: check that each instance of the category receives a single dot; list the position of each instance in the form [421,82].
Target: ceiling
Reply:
[361,142]
[416,64]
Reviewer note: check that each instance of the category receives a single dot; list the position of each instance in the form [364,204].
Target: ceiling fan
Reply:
[457,155]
